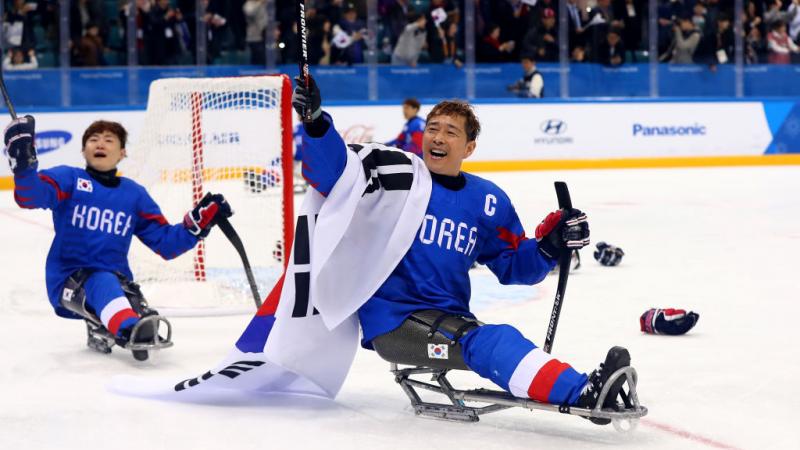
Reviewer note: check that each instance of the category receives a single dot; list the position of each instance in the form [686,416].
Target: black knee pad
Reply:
[427,338]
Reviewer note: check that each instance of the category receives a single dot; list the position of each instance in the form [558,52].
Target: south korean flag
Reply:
[85,185]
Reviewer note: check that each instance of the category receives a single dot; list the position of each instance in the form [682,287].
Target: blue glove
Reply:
[206,214]
[19,138]
[608,255]
[667,321]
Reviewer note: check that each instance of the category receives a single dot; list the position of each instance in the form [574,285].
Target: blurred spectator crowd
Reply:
[409,32]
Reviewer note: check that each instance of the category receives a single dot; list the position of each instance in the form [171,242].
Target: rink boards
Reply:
[536,135]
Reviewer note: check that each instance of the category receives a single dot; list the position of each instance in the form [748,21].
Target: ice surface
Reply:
[722,242]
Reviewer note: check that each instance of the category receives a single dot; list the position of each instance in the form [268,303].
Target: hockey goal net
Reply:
[222,135]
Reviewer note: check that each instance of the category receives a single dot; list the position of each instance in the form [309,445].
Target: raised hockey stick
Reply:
[564,202]
[6,97]
[302,36]
[232,236]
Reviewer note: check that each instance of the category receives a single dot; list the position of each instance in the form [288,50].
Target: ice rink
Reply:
[719,241]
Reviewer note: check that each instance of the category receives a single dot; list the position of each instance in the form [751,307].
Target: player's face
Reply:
[445,144]
[103,151]
[409,111]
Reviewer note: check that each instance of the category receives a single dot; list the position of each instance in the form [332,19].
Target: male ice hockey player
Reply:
[95,215]
[467,219]
[410,139]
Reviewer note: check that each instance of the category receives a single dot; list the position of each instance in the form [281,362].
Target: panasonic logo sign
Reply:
[50,141]
[672,130]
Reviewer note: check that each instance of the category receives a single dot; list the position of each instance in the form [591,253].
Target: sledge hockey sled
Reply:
[100,339]
[624,416]
[144,336]
[428,343]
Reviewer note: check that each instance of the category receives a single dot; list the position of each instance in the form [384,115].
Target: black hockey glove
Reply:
[667,321]
[19,139]
[562,229]
[608,255]
[306,99]
[206,214]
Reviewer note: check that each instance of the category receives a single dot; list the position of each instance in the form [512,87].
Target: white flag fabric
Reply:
[304,337]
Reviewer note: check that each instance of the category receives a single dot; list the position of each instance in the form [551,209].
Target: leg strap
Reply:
[135,297]
[427,338]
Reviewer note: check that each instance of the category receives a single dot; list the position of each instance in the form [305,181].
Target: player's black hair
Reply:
[412,102]
[100,126]
[458,108]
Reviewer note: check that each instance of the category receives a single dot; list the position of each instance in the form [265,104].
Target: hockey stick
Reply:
[232,236]
[302,36]
[6,97]
[564,202]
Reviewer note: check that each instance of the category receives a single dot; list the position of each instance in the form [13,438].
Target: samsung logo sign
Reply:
[50,141]
[671,130]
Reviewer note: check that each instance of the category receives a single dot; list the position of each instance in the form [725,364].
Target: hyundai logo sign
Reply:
[50,141]
[553,127]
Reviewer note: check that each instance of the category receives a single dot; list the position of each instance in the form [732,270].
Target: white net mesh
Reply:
[219,135]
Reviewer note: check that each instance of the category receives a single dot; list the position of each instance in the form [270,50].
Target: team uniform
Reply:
[410,139]
[95,215]
[467,219]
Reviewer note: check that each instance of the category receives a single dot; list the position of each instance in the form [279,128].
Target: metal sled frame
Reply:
[102,340]
[628,414]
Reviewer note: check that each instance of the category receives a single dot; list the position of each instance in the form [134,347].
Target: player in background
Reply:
[468,219]
[410,139]
[95,215]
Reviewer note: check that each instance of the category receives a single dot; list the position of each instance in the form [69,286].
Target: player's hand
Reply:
[667,321]
[206,214]
[562,229]
[306,99]
[608,255]
[19,139]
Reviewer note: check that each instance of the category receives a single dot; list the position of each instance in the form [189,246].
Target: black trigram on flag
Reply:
[302,261]
[232,371]
[391,169]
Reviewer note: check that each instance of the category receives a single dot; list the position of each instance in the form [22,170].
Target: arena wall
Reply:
[534,136]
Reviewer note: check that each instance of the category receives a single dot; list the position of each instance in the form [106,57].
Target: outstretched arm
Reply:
[324,153]
[515,259]
[32,189]
[512,257]
[170,241]
[166,240]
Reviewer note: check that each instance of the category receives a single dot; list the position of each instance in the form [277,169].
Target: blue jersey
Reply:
[475,222]
[410,139]
[94,223]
